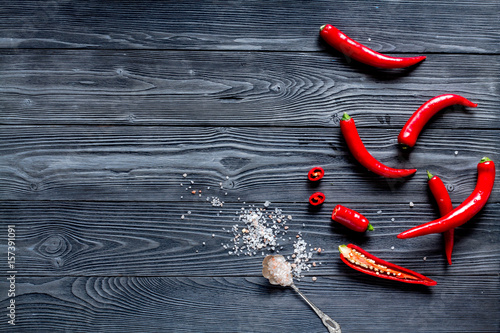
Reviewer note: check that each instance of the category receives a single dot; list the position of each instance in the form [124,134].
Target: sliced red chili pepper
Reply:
[357,148]
[316,174]
[467,209]
[357,51]
[443,200]
[351,219]
[317,199]
[357,258]
[411,130]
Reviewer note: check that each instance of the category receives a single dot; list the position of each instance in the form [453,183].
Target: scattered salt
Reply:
[301,257]
[260,231]
[411,204]
[216,202]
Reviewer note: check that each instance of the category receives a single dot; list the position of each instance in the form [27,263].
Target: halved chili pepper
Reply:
[357,148]
[317,199]
[357,258]
[443,200]
[351,219]
[315,174]
[357,51]
[467,209]
[411,130]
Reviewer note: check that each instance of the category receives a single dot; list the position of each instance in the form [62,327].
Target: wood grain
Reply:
[138,304]
[387,26]
[105,105]
[152,239]
[265,89]
[147,163]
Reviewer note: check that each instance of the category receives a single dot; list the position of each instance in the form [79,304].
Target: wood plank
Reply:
[236,89]
[387,26]
[139,163]
[153,239]
[359,304]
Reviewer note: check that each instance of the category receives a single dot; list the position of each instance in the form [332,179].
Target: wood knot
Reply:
[54,246]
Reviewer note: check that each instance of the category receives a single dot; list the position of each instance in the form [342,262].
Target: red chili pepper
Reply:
[463,213]
[351,219]
[443,200]
[357,148]
[317,199]
[409,134]
[357,51]
[316,174]
[357,258]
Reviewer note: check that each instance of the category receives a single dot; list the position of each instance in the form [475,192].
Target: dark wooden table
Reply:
[106,104]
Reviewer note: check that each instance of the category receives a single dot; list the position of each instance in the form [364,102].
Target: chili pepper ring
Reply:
[315,174]
[317,199]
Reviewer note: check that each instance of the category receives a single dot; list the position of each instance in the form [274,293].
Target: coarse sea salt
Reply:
[216,202]
[277,270]
[301,257]
[260,231]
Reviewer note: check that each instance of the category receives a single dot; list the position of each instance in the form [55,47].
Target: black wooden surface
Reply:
[104,105]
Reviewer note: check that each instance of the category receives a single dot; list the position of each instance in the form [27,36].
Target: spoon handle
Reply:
[330,324]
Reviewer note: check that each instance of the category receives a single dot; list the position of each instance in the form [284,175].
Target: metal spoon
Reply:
[287,281]
[330,324]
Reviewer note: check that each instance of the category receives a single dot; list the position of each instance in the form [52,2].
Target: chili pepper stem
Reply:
[485,159]
[322,27]
[370,227]
[429,175]
[345,116]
